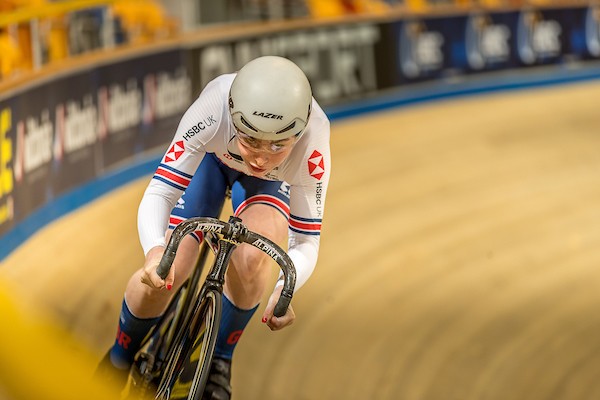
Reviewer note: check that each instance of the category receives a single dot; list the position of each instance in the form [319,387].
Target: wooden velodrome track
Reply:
[459,259]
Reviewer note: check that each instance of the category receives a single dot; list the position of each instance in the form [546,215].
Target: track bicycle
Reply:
[174,360]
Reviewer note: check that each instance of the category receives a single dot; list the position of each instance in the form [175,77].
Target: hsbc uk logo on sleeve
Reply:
[175,151]
[316,165]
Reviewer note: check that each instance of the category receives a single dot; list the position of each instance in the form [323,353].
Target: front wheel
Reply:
[145,371]
[186,373]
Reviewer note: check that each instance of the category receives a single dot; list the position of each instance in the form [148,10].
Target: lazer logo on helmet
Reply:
[267,115]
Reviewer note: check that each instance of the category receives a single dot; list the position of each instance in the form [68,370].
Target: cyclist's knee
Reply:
[250,264]
[247,278]
[187,254]
[144,301]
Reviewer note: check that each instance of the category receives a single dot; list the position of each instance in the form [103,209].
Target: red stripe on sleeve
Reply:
[176,178]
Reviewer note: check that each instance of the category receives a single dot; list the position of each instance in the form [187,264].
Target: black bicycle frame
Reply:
[234,233]
[230,235]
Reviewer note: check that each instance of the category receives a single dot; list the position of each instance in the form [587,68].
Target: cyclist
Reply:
[260,133]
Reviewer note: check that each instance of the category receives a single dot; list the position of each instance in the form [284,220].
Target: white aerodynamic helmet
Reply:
[270,99]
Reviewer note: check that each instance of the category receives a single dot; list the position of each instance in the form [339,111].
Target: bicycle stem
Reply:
[223,256]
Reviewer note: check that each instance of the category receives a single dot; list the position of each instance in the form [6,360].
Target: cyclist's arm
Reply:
[197,127]
[307,202]
[304,251]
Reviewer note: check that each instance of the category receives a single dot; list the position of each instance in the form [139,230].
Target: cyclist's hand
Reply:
[273,322]
[149,275]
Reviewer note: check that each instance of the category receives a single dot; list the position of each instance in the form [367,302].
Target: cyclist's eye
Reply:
[277,147]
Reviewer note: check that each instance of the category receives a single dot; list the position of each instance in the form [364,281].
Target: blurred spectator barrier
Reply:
[36,32]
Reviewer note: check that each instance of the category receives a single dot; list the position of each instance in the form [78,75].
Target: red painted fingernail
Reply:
[169,287]
[264,319]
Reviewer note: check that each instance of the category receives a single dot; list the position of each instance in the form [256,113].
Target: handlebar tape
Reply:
[165,263]
[282,305]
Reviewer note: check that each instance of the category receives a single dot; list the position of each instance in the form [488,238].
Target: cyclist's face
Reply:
[262,156]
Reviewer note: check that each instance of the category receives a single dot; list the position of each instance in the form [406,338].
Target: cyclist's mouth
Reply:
[257,170]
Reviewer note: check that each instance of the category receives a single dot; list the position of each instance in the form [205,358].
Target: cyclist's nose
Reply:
[261,160]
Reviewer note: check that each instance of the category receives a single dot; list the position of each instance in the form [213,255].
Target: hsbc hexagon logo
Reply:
[175,151]
[316,165]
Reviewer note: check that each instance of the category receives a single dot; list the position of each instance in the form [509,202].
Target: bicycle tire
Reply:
[153,351]
[156,347]
[186,373]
